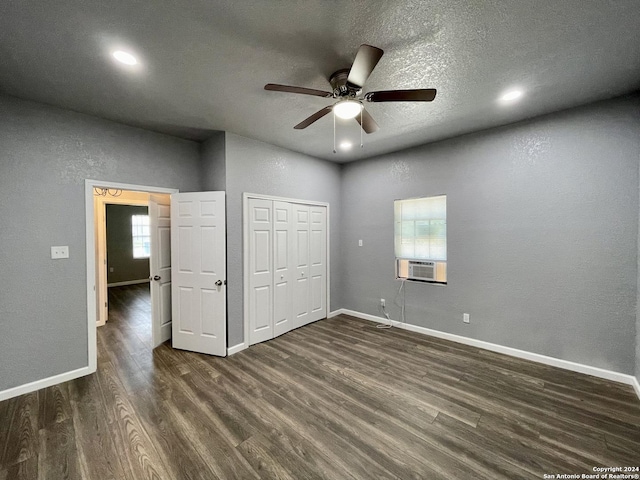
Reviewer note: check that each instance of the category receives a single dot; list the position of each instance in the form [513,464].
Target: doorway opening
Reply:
[121,259]
[123,249]
[130,296]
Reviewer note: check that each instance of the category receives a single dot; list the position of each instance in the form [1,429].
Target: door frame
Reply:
[245,250]
[89,184]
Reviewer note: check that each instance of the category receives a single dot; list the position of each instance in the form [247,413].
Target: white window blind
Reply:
[141,236]
[421,228]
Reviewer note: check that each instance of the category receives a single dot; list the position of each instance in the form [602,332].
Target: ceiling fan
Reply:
[347,87]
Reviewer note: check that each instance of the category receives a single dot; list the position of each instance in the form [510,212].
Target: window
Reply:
[421,238]
[140,234]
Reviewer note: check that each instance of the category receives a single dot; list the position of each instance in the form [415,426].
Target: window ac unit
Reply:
[422,270]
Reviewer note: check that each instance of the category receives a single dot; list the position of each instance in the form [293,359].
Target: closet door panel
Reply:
[282,268]
[301,292]
[318,262]
[260,270]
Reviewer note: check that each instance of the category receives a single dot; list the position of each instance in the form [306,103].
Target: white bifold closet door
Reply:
[287,266]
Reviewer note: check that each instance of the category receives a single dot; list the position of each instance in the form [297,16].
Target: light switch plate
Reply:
[60,252]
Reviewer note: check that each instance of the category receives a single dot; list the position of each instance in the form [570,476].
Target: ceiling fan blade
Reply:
[419,95]
[368,124]
[316,116]
[366,60]
[302,90]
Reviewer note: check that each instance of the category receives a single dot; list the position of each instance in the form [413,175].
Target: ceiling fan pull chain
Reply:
[361,143]
[334,132]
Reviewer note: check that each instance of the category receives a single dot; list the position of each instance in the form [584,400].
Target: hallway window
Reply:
[141,236]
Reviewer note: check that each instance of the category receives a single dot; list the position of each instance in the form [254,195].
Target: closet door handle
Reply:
[219,283]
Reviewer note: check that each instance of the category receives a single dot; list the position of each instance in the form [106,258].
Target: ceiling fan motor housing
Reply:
[341,88]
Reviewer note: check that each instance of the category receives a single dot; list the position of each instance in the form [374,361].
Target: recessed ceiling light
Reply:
[511,96]
[345,145]
[347,108]
[124,57]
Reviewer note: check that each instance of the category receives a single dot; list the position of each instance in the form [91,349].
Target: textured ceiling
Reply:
[204,63]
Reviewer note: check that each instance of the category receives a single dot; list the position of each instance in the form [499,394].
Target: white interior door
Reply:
[160,267]
[260,270]
[318,262]
[301,304]
[282,268]
[199,272]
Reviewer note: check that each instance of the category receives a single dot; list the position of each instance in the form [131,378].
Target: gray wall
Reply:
[213,163]
[120,246]
[45,155]
[542,234]
[257,167]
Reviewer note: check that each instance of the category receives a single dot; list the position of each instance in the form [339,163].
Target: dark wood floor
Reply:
[337,399]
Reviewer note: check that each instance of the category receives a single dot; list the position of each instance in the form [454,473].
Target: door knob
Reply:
[219,282]
[157,278]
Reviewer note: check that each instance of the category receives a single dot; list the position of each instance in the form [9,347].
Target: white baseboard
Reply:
[128,282]
[236,348]
[44,383]
[514,352]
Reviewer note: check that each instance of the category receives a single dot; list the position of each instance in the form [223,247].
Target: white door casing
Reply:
[198,260]
[102,292]
[260,270]
[160,267]
[282,271]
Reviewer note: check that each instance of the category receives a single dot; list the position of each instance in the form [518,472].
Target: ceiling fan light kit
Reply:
[347,87]
[347,109]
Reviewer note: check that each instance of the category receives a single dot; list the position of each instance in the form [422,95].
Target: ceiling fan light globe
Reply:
[347,109]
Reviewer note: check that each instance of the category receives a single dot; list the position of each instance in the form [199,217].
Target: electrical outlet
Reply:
[465,317]
[359,243]
[382,303]
[110,269]
[59,252]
